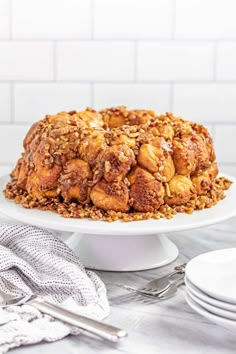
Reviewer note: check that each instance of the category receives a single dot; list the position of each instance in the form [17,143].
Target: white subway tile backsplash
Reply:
[172,60]
[133,19]
[228,169]
[95,60]
[147,96]
[226,61]
[51,19]
[33,101]
[225,143]
[11,140]
[209,127]
[4,19]
[26,61]
[167,55]
[5,170]
[205,19]
[205,102]
[5,103]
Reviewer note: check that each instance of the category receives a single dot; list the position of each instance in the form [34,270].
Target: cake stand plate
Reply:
[121,246]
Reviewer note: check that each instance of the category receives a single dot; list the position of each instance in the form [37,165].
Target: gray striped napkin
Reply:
[35,261]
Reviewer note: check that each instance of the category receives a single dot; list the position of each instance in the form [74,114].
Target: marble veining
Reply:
[165,327]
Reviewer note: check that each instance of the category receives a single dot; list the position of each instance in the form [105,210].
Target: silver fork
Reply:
[90,325]
[143,298]
[156,286]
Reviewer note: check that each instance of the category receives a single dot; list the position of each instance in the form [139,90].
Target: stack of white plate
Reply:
[211,286]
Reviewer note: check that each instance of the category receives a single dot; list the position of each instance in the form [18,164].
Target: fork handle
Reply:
[178,270]
[98,328]
[179,281]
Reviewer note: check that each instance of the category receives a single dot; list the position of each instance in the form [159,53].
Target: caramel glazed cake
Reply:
[116,164]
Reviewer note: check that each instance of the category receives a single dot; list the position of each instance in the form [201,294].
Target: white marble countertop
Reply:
[165,327]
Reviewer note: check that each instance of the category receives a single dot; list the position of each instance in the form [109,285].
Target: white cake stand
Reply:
[121,246]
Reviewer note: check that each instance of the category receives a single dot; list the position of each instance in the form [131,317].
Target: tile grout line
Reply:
[123,82]
[125,39]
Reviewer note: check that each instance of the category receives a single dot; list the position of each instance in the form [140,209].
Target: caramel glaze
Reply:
[116,162]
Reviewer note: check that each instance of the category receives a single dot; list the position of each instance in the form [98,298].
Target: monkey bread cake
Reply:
[116,164]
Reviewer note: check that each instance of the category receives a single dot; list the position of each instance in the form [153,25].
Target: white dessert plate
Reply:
[208,299]
[115,246]
[215,274]
[212,309]
[224,322]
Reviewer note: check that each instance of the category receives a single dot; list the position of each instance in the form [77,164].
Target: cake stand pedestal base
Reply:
[124,253]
